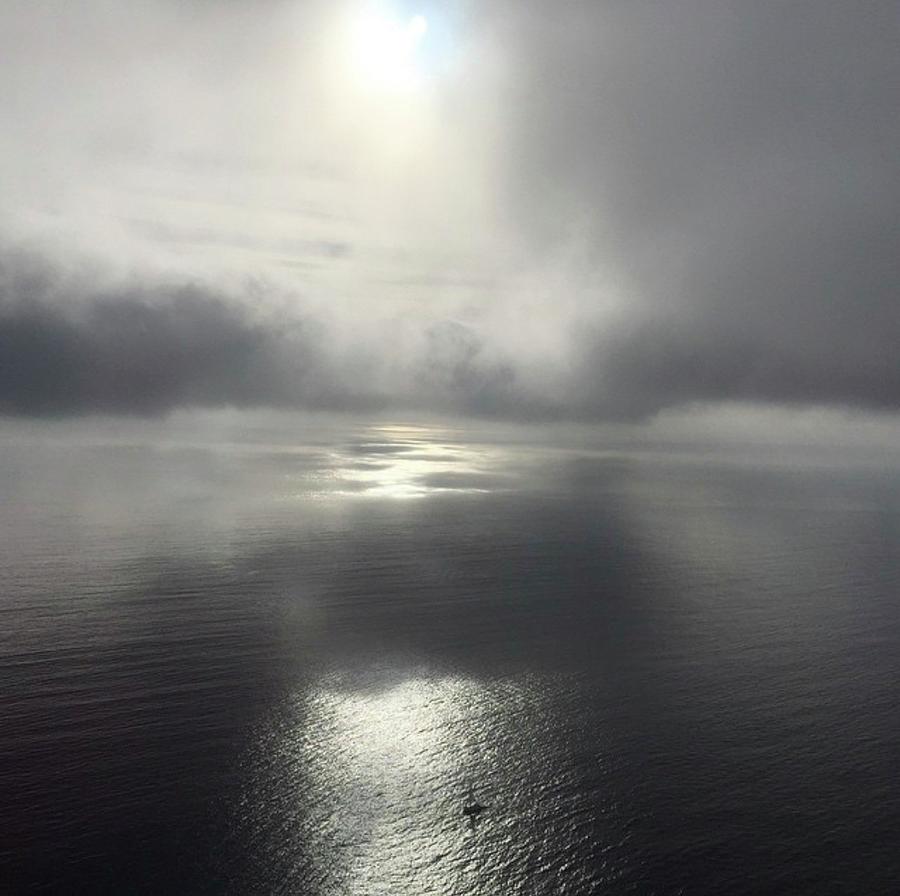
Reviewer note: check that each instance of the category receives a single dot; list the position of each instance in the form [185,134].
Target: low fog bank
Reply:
[74,343]
[736,432]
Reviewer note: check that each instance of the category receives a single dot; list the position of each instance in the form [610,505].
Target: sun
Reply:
[386,50]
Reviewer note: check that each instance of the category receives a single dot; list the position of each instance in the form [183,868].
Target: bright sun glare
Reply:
[386,49]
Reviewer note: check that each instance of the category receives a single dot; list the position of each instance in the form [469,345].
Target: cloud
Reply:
[597,211]
[143,350]
[733,164]
[71,347]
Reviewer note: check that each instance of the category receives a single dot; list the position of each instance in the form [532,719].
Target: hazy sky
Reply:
[593,210]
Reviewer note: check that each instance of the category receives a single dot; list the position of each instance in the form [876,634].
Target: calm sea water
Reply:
[274,663]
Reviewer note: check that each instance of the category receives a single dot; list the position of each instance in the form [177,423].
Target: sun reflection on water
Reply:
[404,461]
[395,780]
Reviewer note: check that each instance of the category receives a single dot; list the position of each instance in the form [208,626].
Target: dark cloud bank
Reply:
[68,349]
[736,164]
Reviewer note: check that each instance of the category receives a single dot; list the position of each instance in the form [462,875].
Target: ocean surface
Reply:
[260,660]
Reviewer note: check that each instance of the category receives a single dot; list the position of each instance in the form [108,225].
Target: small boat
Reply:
[473,808]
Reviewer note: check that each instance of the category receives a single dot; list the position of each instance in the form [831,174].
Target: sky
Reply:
[589,211]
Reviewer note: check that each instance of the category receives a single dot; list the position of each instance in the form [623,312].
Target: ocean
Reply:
[274,660]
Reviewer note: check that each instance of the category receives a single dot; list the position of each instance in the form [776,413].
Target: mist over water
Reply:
[274,662]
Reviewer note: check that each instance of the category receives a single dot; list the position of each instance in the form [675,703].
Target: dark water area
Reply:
[275,665]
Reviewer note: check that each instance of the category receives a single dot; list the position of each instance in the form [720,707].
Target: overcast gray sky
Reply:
[590,210]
